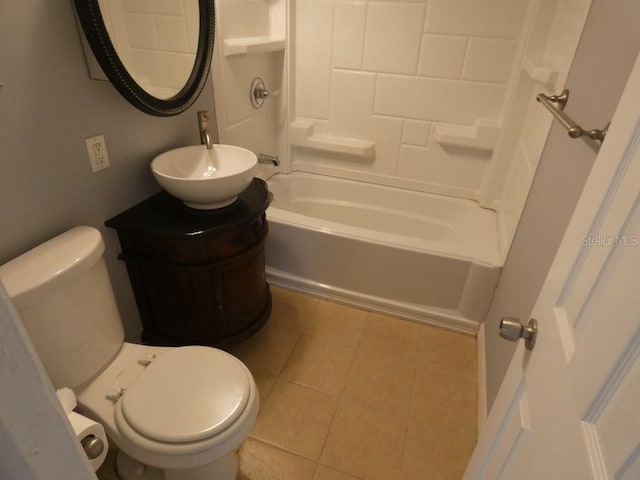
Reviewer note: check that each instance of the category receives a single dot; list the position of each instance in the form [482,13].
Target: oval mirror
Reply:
[157,54]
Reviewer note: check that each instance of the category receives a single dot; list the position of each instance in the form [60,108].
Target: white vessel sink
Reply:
[205,179]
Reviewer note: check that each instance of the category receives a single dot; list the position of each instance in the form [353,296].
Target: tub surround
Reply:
[429,257]
[426,82]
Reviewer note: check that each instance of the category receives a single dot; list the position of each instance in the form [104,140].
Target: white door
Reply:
[570,407]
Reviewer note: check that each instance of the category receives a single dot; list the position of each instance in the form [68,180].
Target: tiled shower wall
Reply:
[155,40]
[398,72]
[239,123]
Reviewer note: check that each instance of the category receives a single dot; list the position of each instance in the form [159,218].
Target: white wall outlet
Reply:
[97,149]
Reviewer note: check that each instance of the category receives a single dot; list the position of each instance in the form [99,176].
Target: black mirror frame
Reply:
[98,38]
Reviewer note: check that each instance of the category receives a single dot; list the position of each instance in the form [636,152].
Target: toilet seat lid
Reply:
[187,394]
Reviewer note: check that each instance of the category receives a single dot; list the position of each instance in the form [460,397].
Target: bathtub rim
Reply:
[278,215]
[274,213]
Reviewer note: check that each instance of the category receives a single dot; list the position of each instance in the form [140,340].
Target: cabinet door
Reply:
[213,303]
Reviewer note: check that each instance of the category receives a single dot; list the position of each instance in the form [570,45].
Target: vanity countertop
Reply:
[165,215]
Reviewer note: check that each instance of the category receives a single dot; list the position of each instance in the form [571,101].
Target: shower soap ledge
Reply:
[301,134]
[482,135]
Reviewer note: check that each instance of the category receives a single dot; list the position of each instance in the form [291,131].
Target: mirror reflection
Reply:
[156,41]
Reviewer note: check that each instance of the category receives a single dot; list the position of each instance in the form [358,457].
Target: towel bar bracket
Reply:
[574,130]
[561,99]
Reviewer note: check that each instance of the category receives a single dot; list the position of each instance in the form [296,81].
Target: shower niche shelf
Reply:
[301,134]
[252,45]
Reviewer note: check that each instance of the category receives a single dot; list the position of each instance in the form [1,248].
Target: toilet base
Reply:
[225,468]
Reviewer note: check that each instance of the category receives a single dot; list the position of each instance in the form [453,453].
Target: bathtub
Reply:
[420,256]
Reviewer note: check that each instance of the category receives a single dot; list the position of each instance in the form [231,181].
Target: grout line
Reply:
[416,70]
[412,396]
[340,395]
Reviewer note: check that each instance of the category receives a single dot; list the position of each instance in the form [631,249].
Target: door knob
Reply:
[512,329]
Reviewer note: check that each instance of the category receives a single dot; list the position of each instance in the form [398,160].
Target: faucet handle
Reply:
[203,126]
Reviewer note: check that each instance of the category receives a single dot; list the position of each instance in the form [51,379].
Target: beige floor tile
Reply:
[445,351]
[329,308]
[383,370]
[362,440]
[445,401]
[297,296]
[264,382]
[295,418]
[326,473]
[291,310]
[388,474]
[301,300]
[392,336]
[432,453]
[337,323]
[268,350]
[381,381]
[319,364]
[259,461]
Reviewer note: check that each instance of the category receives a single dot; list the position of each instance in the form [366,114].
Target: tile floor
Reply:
[349,394]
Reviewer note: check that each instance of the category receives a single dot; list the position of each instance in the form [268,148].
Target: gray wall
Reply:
[48,105]
[605,56]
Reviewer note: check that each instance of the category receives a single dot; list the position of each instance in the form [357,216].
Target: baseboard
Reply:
[436,317]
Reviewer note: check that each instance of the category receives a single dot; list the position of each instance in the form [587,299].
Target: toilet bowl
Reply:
[187,410]
[174,412]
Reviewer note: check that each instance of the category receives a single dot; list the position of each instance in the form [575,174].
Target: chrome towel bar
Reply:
[575,130]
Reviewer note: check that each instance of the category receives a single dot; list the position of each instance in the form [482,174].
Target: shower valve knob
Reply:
[258,92]
[512,329]
[261,93]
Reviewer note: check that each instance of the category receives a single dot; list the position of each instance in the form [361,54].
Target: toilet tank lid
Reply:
[51,264]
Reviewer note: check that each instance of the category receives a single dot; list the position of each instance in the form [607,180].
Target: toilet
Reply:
[173,412]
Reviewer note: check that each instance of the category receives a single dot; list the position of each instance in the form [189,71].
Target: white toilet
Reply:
[174,413]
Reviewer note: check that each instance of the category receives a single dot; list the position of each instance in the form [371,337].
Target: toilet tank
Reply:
[63,295]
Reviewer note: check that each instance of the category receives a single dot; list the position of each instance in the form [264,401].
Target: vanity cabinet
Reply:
[198,276]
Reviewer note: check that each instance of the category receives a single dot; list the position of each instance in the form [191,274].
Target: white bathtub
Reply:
[427,257]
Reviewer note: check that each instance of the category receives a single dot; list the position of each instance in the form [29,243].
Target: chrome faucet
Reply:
[203,127]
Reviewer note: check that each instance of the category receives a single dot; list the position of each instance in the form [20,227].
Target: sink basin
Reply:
[205,179]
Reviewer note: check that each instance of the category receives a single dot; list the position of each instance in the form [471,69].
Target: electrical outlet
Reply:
[97,149]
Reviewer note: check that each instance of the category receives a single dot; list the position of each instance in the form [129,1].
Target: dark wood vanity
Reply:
[198,275]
